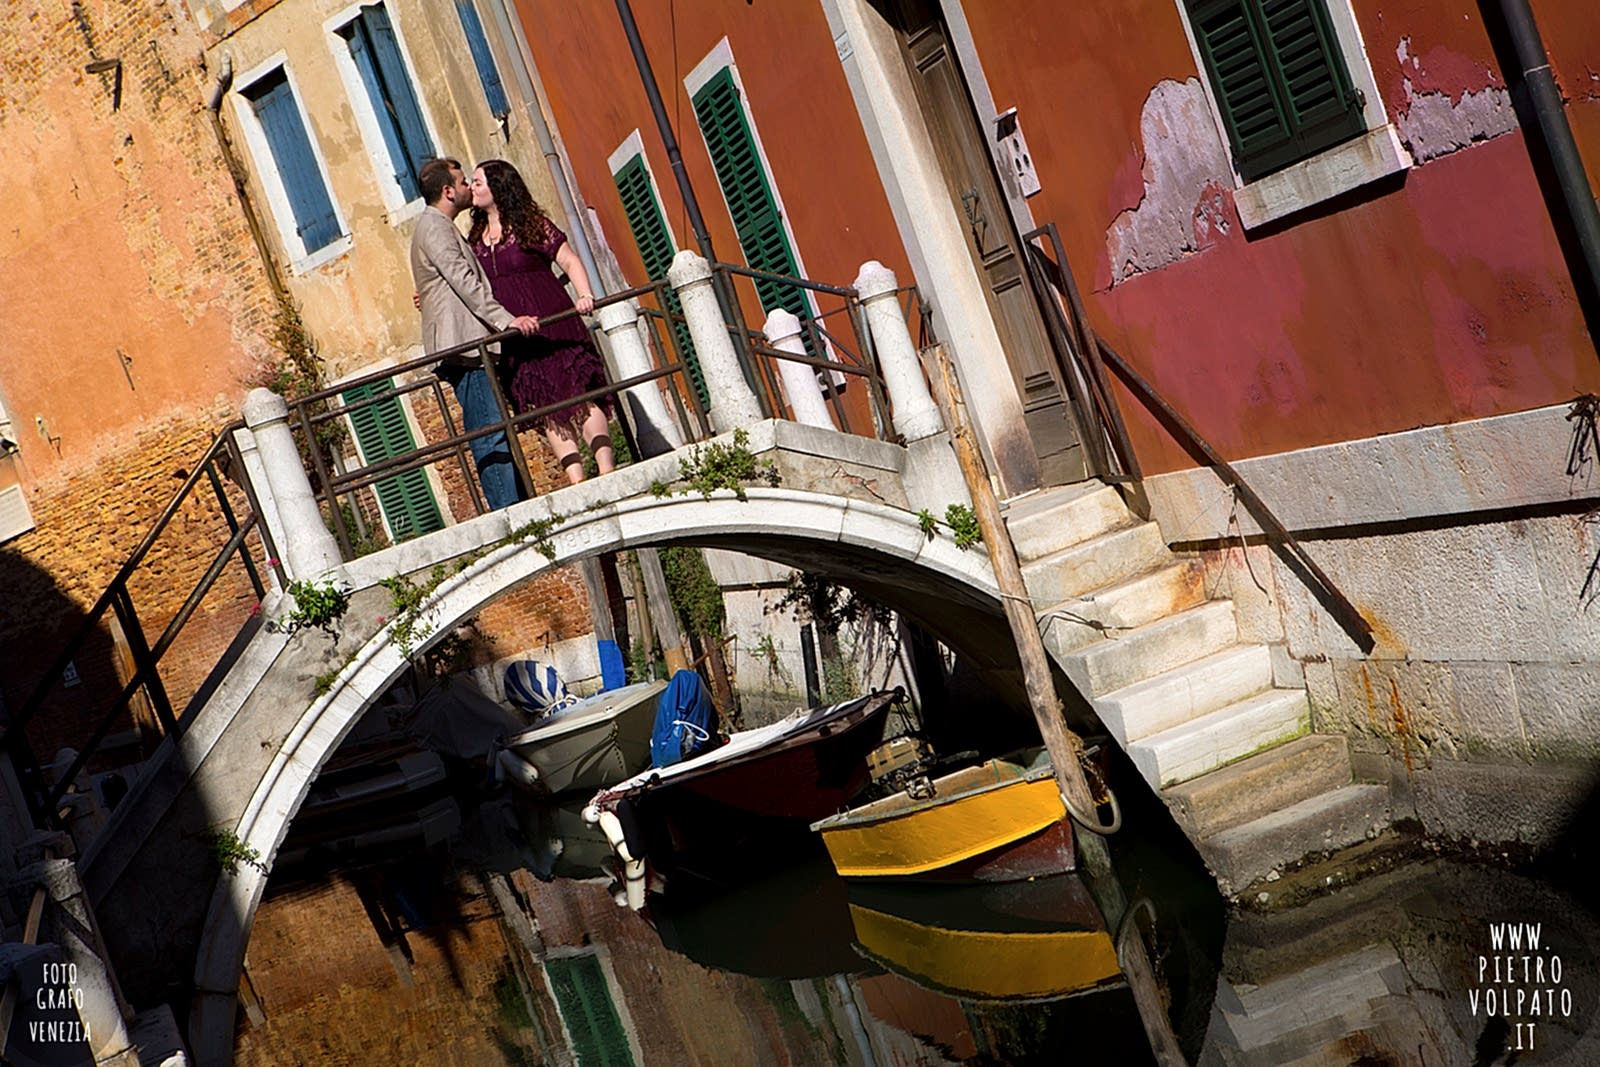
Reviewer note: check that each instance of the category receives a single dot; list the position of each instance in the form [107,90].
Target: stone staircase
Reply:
[1197,710]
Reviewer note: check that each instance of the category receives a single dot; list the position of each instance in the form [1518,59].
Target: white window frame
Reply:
[1332,172]
[266,168]
[397,208]
[633,145]
[720,56]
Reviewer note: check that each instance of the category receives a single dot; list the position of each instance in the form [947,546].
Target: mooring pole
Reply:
[1065,747]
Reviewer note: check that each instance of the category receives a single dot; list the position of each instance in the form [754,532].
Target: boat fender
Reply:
[509,767]
[632,869]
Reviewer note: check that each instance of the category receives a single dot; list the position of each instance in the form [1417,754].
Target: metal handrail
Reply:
[327,405]
[118,599]
[1092,349]
[1316,579]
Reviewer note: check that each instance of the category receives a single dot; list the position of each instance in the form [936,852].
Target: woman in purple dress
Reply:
[516,242]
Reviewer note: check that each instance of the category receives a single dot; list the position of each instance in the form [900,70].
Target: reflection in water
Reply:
[510,947]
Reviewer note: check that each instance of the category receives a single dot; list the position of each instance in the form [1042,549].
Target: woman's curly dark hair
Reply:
[520,214]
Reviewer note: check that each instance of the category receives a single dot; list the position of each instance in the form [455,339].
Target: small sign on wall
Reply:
[1013,152]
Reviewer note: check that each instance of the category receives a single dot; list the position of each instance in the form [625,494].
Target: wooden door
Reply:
[992,241]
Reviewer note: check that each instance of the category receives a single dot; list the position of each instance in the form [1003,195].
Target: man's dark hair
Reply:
[434,178]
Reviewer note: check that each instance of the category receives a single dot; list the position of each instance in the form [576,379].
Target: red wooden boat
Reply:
[723,806]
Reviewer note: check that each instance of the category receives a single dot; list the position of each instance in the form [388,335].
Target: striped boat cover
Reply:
[536,688]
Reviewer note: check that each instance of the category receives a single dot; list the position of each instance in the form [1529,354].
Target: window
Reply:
[642,205]
[298,171]
[584,996]
[1279,79]
[478,42]
[382,432]
[381,63]
[752,201]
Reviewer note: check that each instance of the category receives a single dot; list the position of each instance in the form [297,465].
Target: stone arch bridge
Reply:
[1137,643]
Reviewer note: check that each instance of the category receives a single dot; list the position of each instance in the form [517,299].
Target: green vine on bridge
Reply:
[228,851]
[719,466]
[316,603]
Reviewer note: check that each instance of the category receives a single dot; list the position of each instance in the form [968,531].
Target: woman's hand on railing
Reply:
[525,324]
[584,303]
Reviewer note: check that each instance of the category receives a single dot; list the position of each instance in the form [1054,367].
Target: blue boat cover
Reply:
[684,718]
[613,670]
[535,687]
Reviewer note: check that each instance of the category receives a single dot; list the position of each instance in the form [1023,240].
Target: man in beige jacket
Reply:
[457,306]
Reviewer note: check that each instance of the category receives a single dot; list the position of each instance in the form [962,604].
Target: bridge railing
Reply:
[214,509]
[667,390]
[822,367]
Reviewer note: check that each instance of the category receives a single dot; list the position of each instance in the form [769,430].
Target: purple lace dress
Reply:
[560,360]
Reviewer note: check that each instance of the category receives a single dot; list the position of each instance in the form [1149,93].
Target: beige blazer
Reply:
[457,304]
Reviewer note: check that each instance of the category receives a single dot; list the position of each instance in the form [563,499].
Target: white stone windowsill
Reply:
[406,212]
[1376,154]
[326,254]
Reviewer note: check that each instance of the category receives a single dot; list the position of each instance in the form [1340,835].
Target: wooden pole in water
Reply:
[1065,747]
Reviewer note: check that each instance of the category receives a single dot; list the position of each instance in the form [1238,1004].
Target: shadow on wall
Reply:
[38,618]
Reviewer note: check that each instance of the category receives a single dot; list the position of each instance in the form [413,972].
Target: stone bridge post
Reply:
[933,478]
[306,546]
[799,380]
[653,424]
[732,403]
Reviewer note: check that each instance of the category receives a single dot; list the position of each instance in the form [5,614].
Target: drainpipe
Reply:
[647,77]
[219,91]
[1551,115]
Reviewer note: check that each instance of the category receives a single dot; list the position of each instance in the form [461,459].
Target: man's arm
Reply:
[441,246]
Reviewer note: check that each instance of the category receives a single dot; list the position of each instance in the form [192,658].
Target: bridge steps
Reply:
[1195,707]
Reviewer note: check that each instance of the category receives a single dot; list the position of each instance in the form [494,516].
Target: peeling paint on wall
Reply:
[1186,177]
[1436,124]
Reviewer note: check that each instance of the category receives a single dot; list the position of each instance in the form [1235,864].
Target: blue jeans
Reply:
[496,473]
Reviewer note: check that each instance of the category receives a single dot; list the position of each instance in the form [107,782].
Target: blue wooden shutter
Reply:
[745,185]
[376,51]
[1279,78]
[275,108]
[579,983]
[656,250]
[383,433]
[483,59]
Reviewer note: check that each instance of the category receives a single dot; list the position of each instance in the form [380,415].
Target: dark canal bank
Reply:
[506,944]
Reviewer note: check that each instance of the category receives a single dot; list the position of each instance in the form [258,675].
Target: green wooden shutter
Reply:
[654,241]
[745,185]
[1279,79]
[383,433]
[598,1039]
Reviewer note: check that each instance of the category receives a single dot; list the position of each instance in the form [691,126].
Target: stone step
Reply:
[1184,693]
[1148,650]
[1046,522]
[1268,781]
[1345,986]
[1222,736]
[1103,560]
[1153,594]
[1243,854]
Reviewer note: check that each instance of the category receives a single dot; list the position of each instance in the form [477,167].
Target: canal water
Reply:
[505,943]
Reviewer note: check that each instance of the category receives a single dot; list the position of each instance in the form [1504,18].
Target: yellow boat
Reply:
[1050,942]
[999,821]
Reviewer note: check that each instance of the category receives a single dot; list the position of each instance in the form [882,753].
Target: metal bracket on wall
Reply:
[114,68]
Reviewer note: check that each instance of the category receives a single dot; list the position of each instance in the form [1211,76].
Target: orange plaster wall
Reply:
[127,238]
[1442,299]
[796,93]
